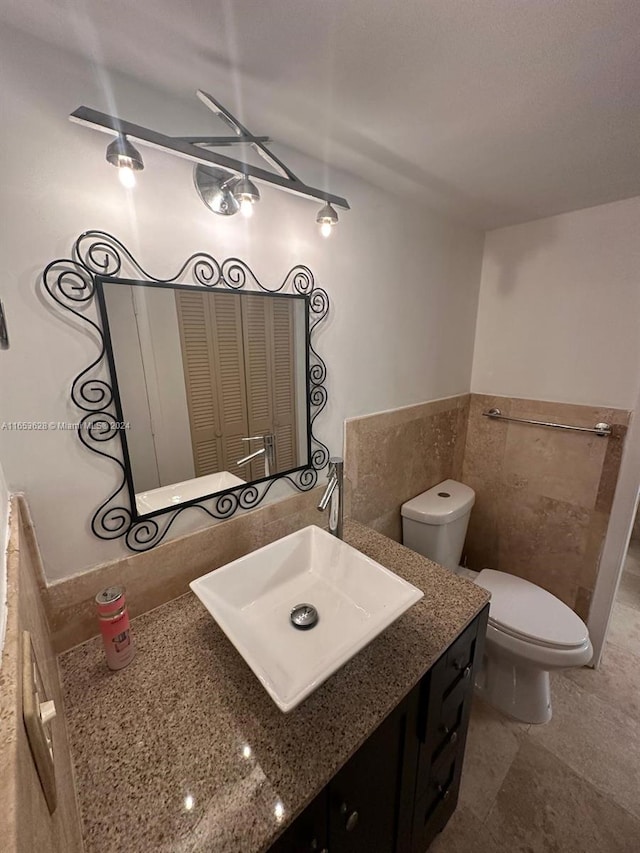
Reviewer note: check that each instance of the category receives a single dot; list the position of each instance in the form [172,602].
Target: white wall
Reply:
[559,319]
[559,309]
[4,541]
[148,358]
[403,283]
[164,372]
[614,551]
[127,355]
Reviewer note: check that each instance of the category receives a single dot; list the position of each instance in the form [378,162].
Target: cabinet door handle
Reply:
[445,793]
[352,821]
[314,846]
[450,734]
[460,666]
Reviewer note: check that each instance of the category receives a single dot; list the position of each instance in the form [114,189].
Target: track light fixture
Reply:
[126,157]
[224,184]
[247,194]
[327,217]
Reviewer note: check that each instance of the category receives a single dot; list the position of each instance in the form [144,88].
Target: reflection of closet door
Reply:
[267,325]
[226,326]
[284,383]
[257,372]
[211,336]
[238,354]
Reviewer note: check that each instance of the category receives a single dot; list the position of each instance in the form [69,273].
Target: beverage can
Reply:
[113,617]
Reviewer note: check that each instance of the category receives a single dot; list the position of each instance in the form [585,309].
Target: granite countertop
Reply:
[184,751]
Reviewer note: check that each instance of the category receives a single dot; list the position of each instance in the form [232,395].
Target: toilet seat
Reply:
[529,614]
[517,635]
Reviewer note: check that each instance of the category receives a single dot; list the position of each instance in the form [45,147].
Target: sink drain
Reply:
[304,616]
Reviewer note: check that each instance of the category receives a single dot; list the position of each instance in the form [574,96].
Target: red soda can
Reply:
[113,617]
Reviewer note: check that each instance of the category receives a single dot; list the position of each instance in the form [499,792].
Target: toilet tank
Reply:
[435,522]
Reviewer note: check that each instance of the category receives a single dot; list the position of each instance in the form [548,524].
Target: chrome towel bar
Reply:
[601,429]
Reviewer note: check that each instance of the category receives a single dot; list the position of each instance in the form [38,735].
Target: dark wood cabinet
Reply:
[446,693]
[401,787]
[361,809]
[365,796]
[309,832]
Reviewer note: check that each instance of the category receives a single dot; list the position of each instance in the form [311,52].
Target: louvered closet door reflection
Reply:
[226,325]
[197,360]
[284,386]
[269,367]
[239,366]
[211,335]
[257,371]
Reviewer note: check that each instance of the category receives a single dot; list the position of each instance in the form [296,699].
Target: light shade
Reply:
[122,153]
[327,215]
[246,190]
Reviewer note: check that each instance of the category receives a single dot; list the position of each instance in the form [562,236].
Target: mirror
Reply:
[214,383]
[210,387]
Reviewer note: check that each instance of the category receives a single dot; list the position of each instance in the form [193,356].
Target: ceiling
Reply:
[495,111]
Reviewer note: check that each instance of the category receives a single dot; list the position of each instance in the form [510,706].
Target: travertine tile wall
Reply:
[392,456]
[543,496]
[25,823]
[543,500]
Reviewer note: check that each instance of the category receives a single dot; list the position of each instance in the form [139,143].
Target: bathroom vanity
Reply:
[185,751]
[401,787]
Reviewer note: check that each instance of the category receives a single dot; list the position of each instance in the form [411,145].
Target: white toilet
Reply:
[530,631]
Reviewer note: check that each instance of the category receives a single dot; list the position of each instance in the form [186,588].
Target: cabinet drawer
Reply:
[444,750]
[446,731]
[435,807]
[448,684]
[440,786]
[460,654]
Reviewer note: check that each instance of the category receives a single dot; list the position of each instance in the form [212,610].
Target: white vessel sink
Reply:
[252,599]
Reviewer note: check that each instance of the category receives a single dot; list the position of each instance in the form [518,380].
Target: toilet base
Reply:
[520,691]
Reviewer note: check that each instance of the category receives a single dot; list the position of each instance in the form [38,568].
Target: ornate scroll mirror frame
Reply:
[75,285]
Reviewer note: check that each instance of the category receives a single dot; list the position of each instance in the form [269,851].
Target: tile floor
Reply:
[573,785]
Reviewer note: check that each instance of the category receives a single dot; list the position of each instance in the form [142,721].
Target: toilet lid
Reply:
[522,609]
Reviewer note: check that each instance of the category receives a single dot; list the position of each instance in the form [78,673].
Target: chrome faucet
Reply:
[334,493]
[267,450]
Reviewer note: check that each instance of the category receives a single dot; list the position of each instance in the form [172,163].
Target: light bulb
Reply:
[246,208]
[127,177]
[325,229]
